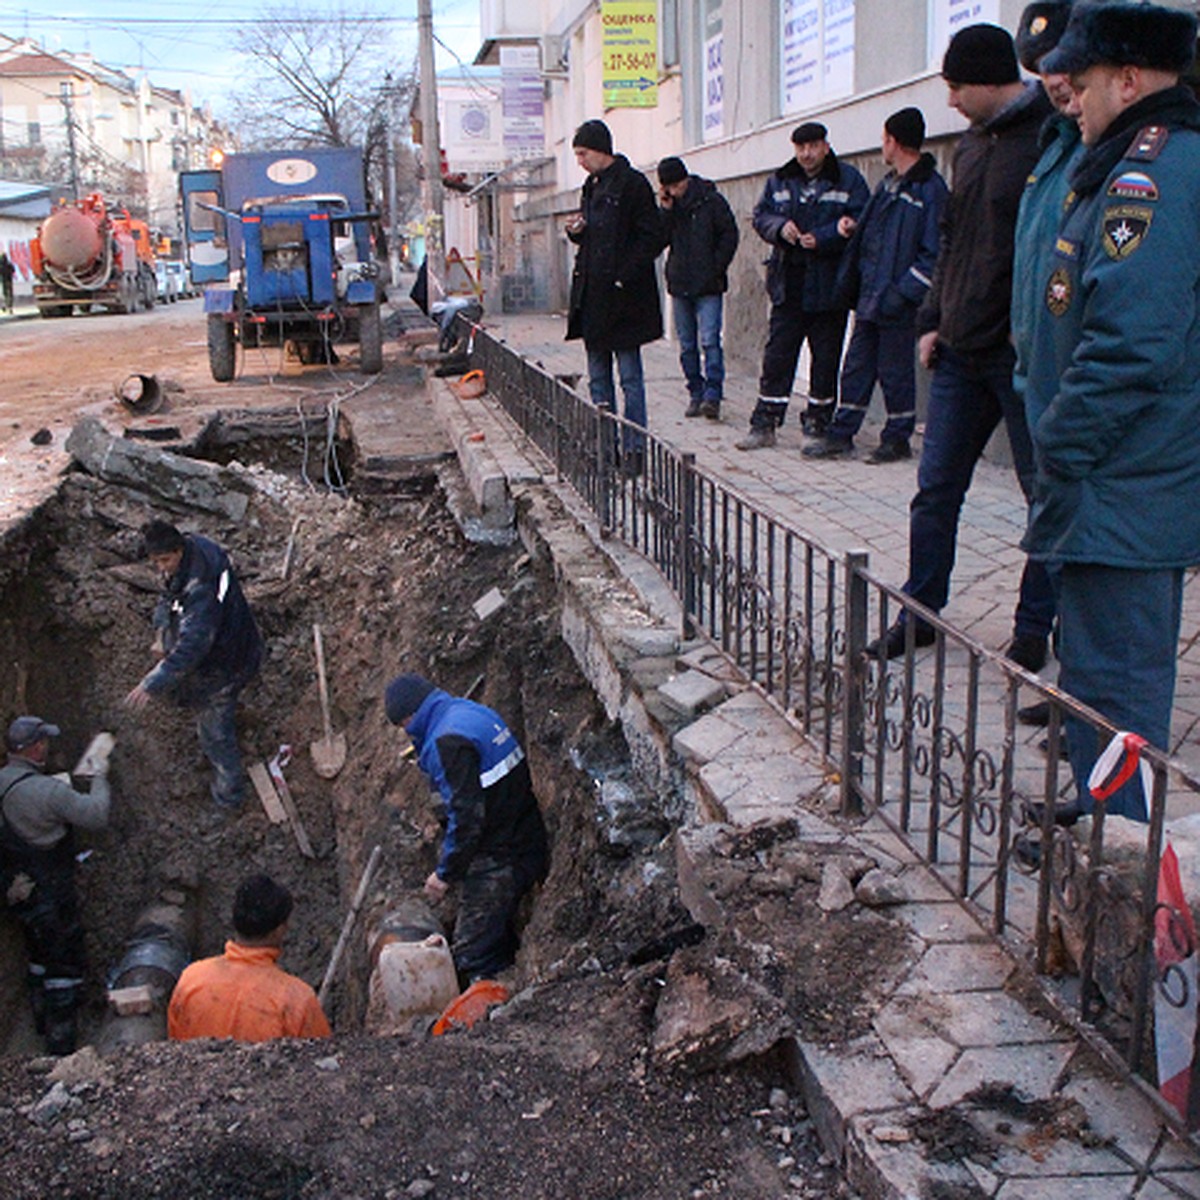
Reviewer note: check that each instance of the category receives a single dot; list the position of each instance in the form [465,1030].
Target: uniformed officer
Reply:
[494,846]
[38,814]
[1118,447]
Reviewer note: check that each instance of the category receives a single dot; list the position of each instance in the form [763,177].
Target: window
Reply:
[35,133]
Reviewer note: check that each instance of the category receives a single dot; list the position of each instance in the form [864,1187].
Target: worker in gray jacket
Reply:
[38,817]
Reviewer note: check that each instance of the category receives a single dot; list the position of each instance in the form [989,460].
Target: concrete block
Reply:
[692,693]
[1079,1187]
[131,1001]
[1034,1071]
[648,641]
[705,739]
[878,1167]
[958,967]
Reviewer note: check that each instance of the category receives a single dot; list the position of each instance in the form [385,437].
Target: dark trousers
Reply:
[216,728]
[969,397]
[886,353]
[789,328]
[1117,642]
[485,935]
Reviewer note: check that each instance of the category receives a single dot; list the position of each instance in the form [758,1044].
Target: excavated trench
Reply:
[392,583]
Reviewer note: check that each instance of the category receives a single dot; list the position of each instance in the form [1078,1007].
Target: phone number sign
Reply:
[630,55]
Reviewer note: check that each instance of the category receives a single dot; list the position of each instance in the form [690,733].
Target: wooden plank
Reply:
[289,806]
[260,777]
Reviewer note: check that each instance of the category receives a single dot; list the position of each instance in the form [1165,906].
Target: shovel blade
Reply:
[329,755]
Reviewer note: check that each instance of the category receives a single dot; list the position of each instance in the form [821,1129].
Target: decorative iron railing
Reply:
[929,743]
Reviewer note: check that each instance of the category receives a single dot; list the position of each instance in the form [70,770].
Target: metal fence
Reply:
[930,742]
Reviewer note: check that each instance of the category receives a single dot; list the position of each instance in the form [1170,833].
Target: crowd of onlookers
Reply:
[1054,286]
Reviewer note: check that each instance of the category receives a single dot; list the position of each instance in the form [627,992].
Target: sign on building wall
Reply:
[472,135]
[630,54]
[714,87]
[523,102]
[949,16]
[816,48]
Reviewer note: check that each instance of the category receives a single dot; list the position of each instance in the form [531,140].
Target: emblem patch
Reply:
[1058,292]
[1133,185]
[1125,227]
[1067,249]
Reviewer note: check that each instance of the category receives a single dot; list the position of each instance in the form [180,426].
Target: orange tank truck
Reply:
[86,254]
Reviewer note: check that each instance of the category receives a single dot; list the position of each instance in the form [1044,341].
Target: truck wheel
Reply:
[222,348]
[370,339]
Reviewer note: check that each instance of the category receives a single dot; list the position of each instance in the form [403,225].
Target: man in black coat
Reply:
[615,306]
[703,236]
[209,648]
[964,331]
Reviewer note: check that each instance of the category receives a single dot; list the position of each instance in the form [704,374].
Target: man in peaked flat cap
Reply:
[1118,446]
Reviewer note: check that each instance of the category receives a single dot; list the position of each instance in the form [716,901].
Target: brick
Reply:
[131,1001]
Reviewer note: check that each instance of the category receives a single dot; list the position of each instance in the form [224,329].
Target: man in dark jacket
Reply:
[703,237]
[1118,445]
[38,817]
[210,648]
[615,306]
[494,846]
[963,327]
[806,214]
[889,266]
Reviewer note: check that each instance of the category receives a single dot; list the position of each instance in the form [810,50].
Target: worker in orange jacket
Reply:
[243,994]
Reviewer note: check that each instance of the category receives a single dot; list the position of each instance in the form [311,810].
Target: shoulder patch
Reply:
[1125,228]
[1133,185]
[1147,144]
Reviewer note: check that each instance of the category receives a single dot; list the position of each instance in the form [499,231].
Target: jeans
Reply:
[633,387]
[217,730]
[1117,640]
[698,324]
[886,353]
[969,397]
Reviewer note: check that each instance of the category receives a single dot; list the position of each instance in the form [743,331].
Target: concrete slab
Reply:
[1034,1071]
[692,693]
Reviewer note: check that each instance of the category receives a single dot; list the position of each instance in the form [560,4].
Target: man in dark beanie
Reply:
[963,331]
[1046,190]
[703,237]
[494,846]
[806,214]
[615,306]
[209,648]
[1118,445]
[886,272]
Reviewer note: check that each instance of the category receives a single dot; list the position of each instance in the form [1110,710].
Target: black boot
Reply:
[60,1033]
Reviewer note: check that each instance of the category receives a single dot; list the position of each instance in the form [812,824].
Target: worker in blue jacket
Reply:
[209,648]
[806,214]
[886,272]
[494,846]
[1118,445]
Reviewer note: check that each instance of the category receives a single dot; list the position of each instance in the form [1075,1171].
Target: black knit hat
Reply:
[810,131]
[404,695]
[594,135]
[1039,31]
[981,54]
[1125,34]
[907,126]
[671,170]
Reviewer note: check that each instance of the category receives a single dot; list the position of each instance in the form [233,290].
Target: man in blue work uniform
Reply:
[494,846]
[1118,446]
[806,214]
[888,269]
[210,648]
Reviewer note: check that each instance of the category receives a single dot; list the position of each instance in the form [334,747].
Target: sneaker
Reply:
[695,408]
[815,419]
[711,409]
[889,452]
[1066,814]
[828,447]
[892,644]
[1029,651]
[1035,714]
[757,439]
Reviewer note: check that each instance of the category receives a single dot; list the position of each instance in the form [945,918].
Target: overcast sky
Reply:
[184,43]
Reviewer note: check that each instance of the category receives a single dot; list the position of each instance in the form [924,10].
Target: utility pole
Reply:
[391,190]
[66,93]
[431,146]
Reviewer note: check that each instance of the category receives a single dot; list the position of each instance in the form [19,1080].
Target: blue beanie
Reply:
[404,695]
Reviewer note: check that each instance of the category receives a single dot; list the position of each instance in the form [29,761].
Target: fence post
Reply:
[854,670]
[687,526]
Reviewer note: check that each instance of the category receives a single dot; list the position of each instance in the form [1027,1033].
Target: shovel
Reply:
[329,751]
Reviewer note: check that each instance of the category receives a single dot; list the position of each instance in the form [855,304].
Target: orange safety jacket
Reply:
[244,995]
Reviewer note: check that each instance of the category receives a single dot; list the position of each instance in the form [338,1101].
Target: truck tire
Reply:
[370,339]
[222,348]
